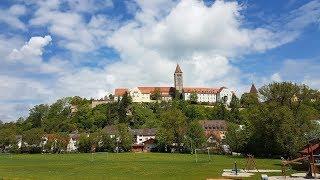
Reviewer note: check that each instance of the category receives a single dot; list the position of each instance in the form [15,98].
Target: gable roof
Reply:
[213,123]
[163,90]
[145,131]
[74,136]
[120,91]
[178,69]
[201,90]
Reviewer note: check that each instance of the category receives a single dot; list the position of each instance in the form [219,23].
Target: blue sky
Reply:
[51,49]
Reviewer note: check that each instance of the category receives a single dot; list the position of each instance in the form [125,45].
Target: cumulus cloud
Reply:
[33,48]
[302,70]
[12,15]
[19,89]
[276,77]
[89,6]
[75,33]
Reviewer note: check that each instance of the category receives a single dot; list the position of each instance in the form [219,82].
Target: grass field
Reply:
[120,166]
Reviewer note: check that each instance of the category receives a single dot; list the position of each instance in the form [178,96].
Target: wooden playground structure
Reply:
[311,155]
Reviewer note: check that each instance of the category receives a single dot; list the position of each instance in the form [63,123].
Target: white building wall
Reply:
[225,93]
[141,138]
[137,96]
[202,97]
[72,145]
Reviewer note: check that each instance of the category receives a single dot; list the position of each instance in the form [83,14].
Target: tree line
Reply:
[275,121]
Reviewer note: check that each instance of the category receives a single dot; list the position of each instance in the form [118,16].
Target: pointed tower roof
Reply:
[253,89]
[178,69]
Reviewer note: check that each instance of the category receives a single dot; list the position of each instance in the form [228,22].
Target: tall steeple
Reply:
[178,79]
[253,89]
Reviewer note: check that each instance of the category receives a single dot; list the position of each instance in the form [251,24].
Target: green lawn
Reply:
[120,166]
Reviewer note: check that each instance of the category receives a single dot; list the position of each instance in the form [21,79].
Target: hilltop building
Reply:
[204,94]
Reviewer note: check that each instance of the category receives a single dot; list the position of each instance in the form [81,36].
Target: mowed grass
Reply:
[121,166]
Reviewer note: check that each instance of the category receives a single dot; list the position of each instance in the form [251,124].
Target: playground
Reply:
[309,162]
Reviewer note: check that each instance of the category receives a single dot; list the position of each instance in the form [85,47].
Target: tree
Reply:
[7,137]
[273,129]
[123,108]
[85,143]
[57,115]
[237,137]
[143,116]
[37,115]
[234,109]
[172,128]
[56,142]
[107,144]
[222,112]
[99,115]
[156,94]
[83,117]
[193,98]
[33,138]
[125,137]
[249,99]
[195,135]
[288,94]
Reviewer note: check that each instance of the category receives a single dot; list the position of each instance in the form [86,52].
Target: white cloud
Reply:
[89,6]
[72,28]
[302,71]
[276,77]
[33,48]
[19,89]
[11,16]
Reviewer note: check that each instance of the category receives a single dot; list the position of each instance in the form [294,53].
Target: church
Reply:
[204,94]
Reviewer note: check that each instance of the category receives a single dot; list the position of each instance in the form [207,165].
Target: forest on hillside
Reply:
[279,120]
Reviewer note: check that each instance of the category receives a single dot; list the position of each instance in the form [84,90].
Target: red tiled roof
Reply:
[202,90]
[148,90]
[218,124]
[120,91]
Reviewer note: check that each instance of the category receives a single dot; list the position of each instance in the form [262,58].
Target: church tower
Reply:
[178,79]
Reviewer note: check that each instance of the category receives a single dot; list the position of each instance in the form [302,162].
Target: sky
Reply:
[50,49]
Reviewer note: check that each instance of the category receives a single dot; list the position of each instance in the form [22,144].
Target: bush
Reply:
[85,143]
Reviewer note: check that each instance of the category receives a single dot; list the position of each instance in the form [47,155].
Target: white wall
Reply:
[72,145]
[225,92]
[210,98]
[141,138]
[137,96]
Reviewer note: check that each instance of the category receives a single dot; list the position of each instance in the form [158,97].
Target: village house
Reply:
[204,94]
[142,135]
[215,130]
[144,139]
